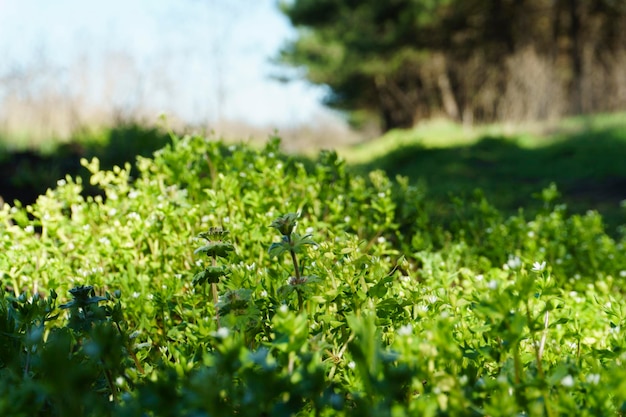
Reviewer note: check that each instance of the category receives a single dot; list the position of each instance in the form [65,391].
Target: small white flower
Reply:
[405,330]
[105,241]
[492,285]
[463,379]
[279,166]
[622,273]
[61,183]
[134,216]
[29,229]
[381,239]
[347,219]
[568,381]
[480,277]
[351,365]
[309,230]
[283,308]
[381,194]
[593,379]
[133,194]
[271,154]
[119,381]
[514,262]
[531,234]
[432,299]
[226,219]
[112,212]
[539,267]
[263,293]
[135,294]
[222,333]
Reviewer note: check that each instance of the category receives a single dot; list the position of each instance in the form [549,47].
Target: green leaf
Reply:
[214,233]
[279,248]
[211,274]
[285,223]
[298,242]
[216,249]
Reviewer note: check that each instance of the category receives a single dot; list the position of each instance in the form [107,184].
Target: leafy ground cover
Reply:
[224,280]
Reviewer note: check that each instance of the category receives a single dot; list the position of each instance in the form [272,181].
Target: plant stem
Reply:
[110,382]
[297,271]
[300,301]
[294,258]
[130,349]
[214,291]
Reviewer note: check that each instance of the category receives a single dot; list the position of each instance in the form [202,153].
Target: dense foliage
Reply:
[308,292]
[472,60]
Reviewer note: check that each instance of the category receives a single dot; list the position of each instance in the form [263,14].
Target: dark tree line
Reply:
[472,60]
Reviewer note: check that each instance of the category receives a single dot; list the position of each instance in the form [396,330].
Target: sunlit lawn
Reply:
[585,157]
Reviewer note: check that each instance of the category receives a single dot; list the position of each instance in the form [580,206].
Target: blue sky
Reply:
[202,59]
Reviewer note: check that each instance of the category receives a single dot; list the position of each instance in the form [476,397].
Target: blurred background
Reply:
[203,63]
[383,81]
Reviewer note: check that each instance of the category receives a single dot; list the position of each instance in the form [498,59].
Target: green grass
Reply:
[585,157]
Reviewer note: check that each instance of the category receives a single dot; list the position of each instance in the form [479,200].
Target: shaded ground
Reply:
[24,175]
[589,170]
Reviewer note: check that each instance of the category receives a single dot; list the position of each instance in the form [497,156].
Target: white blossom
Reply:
[568,381]
[593,379]
[222,333]
[405,330]
[539,266]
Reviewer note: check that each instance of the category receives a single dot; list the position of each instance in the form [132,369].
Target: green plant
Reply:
[489,314]
[293,243]
[215,247]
